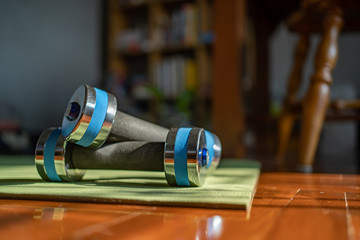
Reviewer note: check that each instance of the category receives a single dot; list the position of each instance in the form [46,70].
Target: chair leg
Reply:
[317,98]
[358,144]
[287,117]
[285,127]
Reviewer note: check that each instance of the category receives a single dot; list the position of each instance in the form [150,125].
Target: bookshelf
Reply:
[163,63]
[159,52]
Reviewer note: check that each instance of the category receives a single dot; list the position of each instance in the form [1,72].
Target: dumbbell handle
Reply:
[129,128]
[141,156]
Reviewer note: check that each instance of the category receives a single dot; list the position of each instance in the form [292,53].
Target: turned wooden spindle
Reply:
[318,94]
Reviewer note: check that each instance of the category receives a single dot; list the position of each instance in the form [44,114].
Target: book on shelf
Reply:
[177,28]
[182,26]
[175,75]
[190,24]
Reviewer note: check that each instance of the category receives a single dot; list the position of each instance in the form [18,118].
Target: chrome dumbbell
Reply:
[183,157]
[92,118]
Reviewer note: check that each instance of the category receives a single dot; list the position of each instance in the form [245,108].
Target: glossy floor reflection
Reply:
[39,219]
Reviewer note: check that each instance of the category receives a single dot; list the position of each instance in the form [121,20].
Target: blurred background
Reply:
[221,65]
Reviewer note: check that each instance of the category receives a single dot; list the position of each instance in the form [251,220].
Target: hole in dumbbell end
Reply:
[72,111]
[203,157]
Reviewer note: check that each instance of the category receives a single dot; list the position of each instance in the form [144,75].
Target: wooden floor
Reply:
[286,206]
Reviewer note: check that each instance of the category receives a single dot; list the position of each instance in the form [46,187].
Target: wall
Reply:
[47,49]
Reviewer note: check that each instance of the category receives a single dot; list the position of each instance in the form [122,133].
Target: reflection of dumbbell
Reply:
[183,157]
[91,119]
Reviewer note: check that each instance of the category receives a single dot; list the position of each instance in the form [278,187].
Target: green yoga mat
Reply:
[231,186]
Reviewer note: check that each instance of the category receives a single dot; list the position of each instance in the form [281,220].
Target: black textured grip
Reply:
[129,128]
[143,156]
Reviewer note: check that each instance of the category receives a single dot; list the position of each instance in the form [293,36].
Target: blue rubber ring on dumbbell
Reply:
[210,142]
[49,156]
[180,157]
[97,119]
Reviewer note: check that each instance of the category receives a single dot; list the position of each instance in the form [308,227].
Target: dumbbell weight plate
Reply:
[50,158]
[89,116]
[186,157]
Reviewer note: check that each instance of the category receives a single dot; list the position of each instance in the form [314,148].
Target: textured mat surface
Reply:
[231,186]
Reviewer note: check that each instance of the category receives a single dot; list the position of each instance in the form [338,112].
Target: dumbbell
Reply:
[91,118]
[183,157]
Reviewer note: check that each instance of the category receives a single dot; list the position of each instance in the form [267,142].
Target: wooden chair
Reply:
[326,17]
